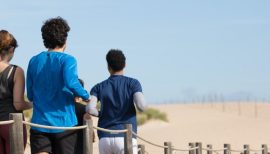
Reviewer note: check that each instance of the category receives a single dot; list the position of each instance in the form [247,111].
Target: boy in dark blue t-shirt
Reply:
[117,96]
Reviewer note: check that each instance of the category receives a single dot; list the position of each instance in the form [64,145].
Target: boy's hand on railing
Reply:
[87,100]
[77,99]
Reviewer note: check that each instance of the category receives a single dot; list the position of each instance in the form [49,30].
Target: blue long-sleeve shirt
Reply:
[52,83]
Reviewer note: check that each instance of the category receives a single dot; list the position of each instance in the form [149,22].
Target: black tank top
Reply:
[6,92]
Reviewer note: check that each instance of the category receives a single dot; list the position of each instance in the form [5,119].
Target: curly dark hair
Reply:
[116,59]
[55,32]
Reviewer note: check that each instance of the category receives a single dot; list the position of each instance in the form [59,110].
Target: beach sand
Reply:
[209,123]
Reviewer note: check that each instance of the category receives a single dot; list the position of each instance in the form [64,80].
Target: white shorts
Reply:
[115,145]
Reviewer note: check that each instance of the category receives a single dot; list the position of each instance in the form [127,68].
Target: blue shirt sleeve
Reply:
[71,78]
[135,86]
[29,83]
[95,91]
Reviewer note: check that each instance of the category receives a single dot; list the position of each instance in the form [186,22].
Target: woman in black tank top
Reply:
[12,87]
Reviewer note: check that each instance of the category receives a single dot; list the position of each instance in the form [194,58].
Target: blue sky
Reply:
[178,50]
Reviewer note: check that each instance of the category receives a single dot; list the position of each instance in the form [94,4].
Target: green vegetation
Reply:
[150,114]
[28,114]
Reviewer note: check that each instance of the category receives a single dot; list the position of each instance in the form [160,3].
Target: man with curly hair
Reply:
[52,83]
[118,96]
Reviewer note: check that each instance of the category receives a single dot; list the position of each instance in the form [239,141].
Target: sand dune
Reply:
[210,125]
[216,124]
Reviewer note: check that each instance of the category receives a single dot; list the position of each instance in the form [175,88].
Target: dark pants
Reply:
[55,143]
[5,141]
[80,110]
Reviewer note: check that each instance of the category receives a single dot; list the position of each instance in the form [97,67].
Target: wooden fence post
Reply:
[264,149]
[128,140]
[16,134]
[209,146]
[227,149]
[88,137]
[169,149]
[191,145]
[199,145]
[141,149]
[246,149]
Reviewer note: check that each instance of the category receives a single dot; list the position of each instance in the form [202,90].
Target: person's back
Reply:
[117,107]
[52,84]
[46,71]
[6,92]
[12,87]
[117,96]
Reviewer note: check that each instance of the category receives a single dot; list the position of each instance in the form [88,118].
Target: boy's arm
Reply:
[91,107]
[71,79]
[138,99]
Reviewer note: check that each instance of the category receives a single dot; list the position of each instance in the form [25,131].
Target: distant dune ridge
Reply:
[210,123]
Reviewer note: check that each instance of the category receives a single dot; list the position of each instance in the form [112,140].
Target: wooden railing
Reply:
[17,146]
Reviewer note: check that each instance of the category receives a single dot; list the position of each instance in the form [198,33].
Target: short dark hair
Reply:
[55,32]
[116,59]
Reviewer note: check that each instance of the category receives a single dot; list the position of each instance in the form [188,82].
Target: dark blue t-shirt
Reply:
[117,107]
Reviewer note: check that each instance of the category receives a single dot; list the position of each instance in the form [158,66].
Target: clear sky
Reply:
[178,50]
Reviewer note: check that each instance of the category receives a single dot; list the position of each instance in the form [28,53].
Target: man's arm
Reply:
[91,107]
[71,78]
[18,91]
[138,99]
